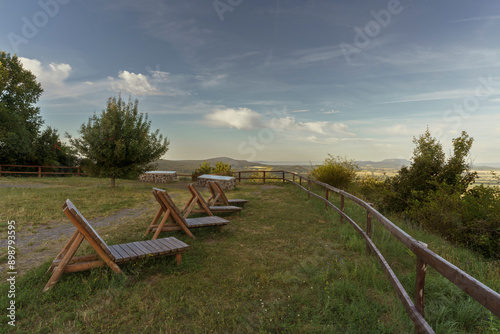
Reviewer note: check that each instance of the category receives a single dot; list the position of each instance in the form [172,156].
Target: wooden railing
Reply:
[486,296]
[238,176]
[39,170]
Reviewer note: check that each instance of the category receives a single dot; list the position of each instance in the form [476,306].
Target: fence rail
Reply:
[40,171]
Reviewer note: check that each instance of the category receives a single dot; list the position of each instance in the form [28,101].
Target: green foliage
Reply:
[118,143]
[19,118]
[471,219]
[429,170]
[204,168]
[336,171]
[50,151]
[221,168]
[372,189]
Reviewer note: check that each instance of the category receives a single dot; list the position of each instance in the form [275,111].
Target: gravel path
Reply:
[36,247]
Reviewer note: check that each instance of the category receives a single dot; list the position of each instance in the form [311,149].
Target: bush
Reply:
[471,219]
[371,189]
[336,171]
[221,168]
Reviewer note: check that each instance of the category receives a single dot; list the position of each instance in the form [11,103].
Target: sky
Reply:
[270,80]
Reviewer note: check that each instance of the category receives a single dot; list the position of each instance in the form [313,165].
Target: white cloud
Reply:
[332,112]
[241,118]
[319,127]
[51,76]
[135,84]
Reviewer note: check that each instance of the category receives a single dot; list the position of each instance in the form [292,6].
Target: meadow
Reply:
[283,265]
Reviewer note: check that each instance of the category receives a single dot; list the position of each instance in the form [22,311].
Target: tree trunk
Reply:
[112,182]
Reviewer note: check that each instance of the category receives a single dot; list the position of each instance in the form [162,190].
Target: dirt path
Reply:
[36,247]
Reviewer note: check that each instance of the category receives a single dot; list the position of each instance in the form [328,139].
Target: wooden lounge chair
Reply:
[219,198]
[106,255]
[177,220]
[203,207]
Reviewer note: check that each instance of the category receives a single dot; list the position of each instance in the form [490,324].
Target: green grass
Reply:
[283,265]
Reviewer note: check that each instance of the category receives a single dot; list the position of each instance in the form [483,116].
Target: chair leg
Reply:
[59,270]
[178,257]
[162,223]
[155,220]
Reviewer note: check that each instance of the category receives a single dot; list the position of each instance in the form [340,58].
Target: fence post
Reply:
[0,170]
[281,172]
[78,172]
[39,171]
[326,197]
[420,283]
[293,177]
[300,180]
[368,229]
[239,177]
[264,176]
[308,188]
[341,206]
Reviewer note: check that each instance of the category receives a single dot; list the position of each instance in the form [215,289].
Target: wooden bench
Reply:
[219,197]
[177,220]
[203,207]
[106,255]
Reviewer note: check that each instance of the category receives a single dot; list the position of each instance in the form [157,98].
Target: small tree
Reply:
[336,171]
[117,143]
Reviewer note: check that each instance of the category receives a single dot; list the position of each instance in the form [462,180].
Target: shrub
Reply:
[371,189]
[221,168]
[204,168]
[471,219]
[336,171]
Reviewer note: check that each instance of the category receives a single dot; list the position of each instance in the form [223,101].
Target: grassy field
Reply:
[283,265]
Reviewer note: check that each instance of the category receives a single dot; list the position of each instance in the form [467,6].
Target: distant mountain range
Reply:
[387,163]
[187,166]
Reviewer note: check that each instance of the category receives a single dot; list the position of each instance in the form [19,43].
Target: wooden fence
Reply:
[486,296]
[39,170]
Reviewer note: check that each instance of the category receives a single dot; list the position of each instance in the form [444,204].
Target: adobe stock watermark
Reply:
[31,26]
[469,105]
[12,273]
[364,35]
[223,6]
[257,143]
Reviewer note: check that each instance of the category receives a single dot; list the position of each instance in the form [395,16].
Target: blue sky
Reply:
[271,80]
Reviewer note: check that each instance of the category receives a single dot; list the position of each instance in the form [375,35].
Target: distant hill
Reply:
[486,166]
[385,164]
[188,166]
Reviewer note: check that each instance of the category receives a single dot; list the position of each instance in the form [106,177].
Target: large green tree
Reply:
[117,143]
[20,119]
[430,170]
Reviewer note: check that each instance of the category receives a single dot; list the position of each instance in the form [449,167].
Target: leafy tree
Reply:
[118,143]
[429,170]
[336,171]
[50,151]
[20,120]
